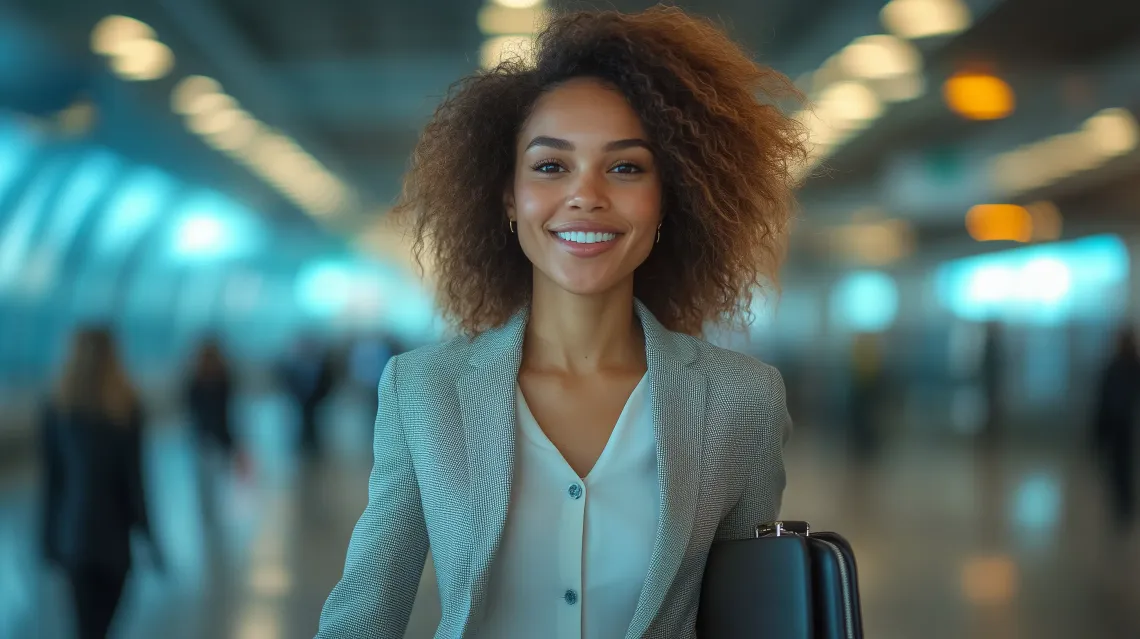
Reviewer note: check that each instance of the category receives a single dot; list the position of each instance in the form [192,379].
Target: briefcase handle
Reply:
[783,529]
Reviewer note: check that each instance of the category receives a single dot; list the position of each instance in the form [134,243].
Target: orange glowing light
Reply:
[978,96]
[993,222]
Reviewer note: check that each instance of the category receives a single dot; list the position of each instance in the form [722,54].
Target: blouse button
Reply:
[571,597]
[575,491]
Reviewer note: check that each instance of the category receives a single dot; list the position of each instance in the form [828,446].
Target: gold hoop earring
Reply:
[511,224]
[658,234]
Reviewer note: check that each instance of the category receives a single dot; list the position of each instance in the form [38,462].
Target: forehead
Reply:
[583,108]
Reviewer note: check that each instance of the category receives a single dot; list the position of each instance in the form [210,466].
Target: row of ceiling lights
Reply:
[136,54]
[132,49]
[880,242]
[509,27]
[1108,134]
[851,88]
[279,160]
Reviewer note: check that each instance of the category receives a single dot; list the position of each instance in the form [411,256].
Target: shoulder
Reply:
[743,389]
[733,373]
[435,362]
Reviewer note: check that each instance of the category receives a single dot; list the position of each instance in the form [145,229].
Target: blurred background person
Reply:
[209,397]
[992,386]
[309,378]
[1115,427]
[92,441]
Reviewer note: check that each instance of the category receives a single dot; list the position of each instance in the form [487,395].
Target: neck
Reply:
[582,334]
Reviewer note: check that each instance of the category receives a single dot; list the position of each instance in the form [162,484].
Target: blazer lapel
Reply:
[678,422]
[487,404]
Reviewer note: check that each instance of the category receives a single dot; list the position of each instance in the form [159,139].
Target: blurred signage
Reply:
[1045,284]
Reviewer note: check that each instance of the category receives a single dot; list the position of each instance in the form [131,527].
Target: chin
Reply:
[584,283]
[579,281]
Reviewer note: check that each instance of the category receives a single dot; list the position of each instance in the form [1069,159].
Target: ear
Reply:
[509,201]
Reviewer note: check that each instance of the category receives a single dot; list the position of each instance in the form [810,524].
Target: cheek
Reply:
[534,206]
[642,207]
[536,202]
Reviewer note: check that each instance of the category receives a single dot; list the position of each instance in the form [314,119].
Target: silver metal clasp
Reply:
[783,529]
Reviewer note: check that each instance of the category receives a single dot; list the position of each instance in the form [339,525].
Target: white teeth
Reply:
[582,237]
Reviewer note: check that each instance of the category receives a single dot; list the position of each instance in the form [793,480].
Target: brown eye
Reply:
[626,168]
[548,166]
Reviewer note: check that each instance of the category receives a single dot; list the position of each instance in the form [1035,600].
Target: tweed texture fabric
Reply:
[443,462]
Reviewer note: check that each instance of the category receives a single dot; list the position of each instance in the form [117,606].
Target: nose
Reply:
[589,193]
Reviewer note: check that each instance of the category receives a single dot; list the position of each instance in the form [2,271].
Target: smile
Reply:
[583,237]
[586,243]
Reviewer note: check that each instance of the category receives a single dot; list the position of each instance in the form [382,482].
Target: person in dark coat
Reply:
[1115,427]
[309,378]
[94,497]
[993,388]
[209,396]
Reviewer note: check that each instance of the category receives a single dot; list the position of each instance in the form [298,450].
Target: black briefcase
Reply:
[786,583]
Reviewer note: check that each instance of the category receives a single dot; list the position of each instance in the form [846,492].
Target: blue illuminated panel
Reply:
[1038,284]
[864,301]
[211,226]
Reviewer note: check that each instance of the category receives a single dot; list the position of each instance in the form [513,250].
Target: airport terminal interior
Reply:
[964,266]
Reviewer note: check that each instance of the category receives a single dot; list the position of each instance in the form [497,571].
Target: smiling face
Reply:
[586,193]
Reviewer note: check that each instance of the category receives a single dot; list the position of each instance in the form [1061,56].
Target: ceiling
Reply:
[353,81]
[1049,44]
[362,77]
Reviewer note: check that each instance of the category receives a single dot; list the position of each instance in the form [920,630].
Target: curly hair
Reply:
[726,155]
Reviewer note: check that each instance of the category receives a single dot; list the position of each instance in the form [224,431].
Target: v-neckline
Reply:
[533,431]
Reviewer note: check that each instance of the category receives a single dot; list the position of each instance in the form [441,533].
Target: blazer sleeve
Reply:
[386,554]
[762,496]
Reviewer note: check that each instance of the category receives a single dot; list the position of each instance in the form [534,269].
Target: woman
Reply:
[92,460]
[571,460]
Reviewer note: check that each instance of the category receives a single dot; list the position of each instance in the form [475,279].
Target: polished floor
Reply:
[951,543]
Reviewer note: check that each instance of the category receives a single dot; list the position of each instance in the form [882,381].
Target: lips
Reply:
[585,226]
[586,243]
[585,237]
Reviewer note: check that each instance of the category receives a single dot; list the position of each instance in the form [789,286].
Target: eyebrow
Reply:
[630,143]
[566,145]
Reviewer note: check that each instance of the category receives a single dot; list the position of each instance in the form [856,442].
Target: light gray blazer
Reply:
[444,453]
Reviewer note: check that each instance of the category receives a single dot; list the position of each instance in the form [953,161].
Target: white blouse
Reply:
[575,553]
